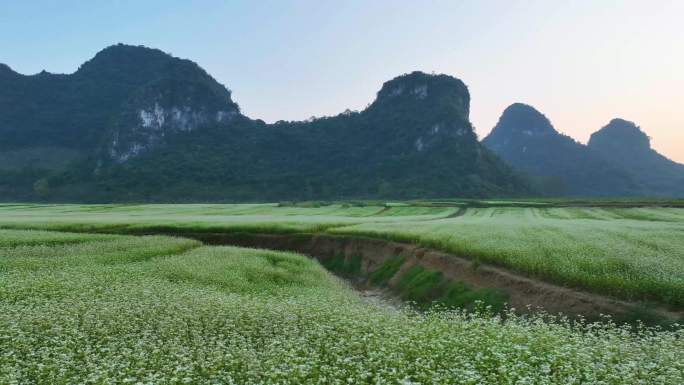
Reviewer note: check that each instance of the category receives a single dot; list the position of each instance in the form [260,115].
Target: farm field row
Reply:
[91,308]
[634,254]
[208,217]
[630,253]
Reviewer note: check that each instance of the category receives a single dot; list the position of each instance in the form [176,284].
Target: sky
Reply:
[581,63]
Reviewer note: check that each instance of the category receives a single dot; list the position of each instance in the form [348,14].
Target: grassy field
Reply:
[634,253]
[206,217]
[114,309]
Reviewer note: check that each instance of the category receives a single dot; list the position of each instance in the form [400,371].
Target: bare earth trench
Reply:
[525,294]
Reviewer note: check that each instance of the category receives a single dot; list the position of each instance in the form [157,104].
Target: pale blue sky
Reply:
[579,62]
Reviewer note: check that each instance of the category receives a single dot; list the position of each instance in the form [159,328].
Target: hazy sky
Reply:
[579,62]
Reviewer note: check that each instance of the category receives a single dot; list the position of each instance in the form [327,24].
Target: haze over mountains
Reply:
[625,144]
[136,124]
[617,161]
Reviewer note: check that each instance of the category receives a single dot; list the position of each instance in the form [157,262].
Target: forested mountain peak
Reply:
[135,123]
[617,161]
[123,101]
[6,71]
[418,89]
[520,120]
[620,134]
[624,143]
[123,59]
[525,138]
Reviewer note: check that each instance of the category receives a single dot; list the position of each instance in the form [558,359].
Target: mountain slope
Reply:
[625,144]
[144,126]
[405,145]
[525,139]
[72,111]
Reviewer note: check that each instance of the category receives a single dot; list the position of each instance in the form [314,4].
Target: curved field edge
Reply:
[631,254]
[201,316]
[634,268]
[569,263]
[647,303]
[427,277]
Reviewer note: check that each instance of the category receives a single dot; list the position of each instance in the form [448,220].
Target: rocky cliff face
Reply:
[167,95]
[135,123]
[166,108]
[153,127]
[126,98]
[437,106]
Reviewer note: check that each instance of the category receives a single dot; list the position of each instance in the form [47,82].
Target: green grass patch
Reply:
[459,295]
[342,265]
[387,270]
[419,285]
[428,288]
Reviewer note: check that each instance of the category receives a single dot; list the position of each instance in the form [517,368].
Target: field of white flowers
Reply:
[93,309]
[635,253]
[630,253]
[206,217]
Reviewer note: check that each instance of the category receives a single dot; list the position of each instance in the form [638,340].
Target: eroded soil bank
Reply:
[425,276]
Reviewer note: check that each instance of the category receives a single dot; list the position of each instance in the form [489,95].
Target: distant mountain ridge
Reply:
[617,161]
[136,124]
[625,144]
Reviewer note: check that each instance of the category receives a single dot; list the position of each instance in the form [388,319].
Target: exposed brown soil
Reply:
[524,294]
